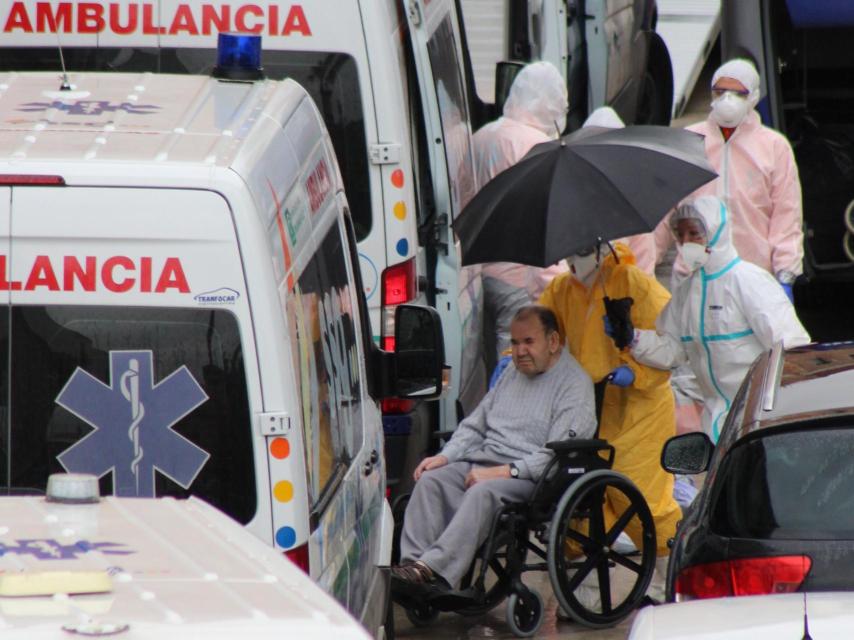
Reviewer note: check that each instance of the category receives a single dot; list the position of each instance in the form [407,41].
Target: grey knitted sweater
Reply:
[520,415]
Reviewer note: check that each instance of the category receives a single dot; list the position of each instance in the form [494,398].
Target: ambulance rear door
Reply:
[129,347]
[5,205]
[435,42]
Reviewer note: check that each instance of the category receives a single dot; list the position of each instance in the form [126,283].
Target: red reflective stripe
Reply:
[23,179]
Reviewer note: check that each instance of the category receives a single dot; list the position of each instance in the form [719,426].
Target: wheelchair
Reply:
[563,527]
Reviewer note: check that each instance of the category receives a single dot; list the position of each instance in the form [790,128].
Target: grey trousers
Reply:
[445,524]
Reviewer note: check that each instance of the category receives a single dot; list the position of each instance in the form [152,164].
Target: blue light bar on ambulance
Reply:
[238,57]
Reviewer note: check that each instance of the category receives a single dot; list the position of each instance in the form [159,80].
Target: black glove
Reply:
[618,315]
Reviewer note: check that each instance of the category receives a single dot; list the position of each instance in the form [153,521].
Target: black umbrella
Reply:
[566,194]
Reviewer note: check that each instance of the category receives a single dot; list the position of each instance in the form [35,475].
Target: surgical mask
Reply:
[693,255]
[584,267]
[729,110]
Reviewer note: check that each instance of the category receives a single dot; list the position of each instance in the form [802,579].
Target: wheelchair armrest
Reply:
[577,444]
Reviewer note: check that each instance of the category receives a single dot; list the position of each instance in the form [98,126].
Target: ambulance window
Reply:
[326,364]
[153,400]
[456,127]
[331,79]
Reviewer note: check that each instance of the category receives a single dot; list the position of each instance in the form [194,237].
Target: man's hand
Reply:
[479,474]
[433,462]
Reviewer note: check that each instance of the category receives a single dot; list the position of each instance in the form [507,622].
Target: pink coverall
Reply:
[758,180]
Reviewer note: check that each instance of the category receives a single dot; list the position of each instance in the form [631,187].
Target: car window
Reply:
[453,112]
[151,400]
[789,485]
[323,330]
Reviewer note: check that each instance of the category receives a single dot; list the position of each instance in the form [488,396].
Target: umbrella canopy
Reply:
[565,194]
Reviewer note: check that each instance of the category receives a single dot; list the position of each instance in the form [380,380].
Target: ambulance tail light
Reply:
[399,286]
[20,179]
[742,577]
[299,556]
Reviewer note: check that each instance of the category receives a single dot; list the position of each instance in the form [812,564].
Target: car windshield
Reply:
[790,485]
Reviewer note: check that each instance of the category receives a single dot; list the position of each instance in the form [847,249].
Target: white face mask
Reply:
[693,255]
[584,267]
[729,110]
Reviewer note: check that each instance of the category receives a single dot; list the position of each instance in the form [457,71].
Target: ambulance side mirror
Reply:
[415,368]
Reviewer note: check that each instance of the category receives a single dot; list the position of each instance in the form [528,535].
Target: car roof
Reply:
[798,385]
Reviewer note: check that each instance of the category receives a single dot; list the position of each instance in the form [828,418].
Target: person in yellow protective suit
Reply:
[638,409]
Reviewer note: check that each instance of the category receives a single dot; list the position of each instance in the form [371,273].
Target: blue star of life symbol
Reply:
[132,420]
[50,549]
[90,107]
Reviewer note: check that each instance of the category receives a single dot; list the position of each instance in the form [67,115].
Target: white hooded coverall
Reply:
[721,317]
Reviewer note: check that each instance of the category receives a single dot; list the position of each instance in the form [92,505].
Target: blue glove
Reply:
[787,289]
[499,369]
[622,376]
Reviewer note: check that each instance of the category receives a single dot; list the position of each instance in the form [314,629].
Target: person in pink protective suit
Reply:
[642,244]
[535,112]
[758,178]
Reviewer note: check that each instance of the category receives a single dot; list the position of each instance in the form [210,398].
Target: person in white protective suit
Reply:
[642,244]
[535,112]
[722,316]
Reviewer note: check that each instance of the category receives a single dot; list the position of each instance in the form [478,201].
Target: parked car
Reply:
[826,616]
[776,512]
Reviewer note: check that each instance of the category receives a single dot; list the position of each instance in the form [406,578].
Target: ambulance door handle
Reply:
[371,462]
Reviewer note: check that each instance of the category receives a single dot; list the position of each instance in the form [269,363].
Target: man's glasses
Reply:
[720,93]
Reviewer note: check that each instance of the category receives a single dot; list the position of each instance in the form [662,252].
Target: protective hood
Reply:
[743,71]
[716,218]
[604,117]
[538,98]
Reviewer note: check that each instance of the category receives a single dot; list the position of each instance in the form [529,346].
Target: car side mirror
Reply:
[419,354]
[688,453]
[505,74]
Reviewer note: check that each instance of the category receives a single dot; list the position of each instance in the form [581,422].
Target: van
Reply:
[183,313]
[607,50]
[387,76]
[74,564]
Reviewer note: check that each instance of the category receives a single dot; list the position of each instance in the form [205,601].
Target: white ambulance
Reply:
[149,568]
[387,75]
[182,313]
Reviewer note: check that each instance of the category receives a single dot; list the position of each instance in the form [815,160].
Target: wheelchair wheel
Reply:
[524,613]
[421,614]
[581,550]
[498,575]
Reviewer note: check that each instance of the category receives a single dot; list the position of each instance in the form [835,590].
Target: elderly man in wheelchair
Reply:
[522,466]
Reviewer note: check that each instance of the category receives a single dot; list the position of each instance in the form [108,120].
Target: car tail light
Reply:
[299,556]
[399,285]
[743,577]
